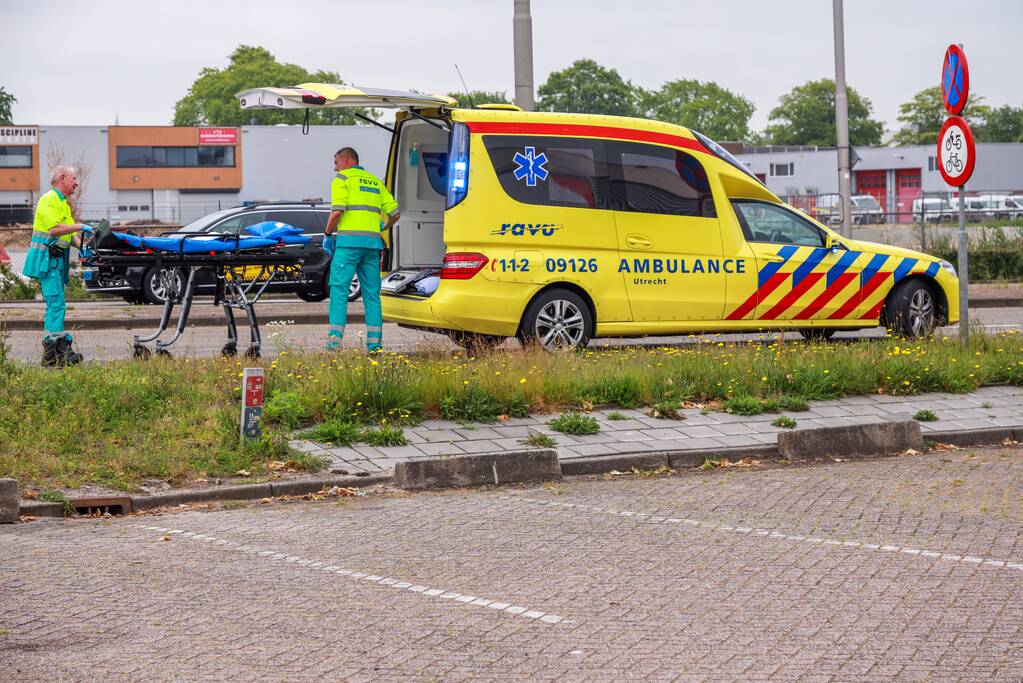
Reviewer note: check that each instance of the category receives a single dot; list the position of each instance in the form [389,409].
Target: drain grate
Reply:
[99,507]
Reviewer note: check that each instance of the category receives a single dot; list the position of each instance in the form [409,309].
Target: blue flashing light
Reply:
[458,169]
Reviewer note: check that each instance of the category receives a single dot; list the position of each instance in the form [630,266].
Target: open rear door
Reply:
[325,95]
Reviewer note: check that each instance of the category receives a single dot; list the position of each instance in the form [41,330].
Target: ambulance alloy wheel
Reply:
[911,310]
[557,319]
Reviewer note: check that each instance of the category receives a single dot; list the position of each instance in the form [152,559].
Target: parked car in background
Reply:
[139,284]
[1001,206]
[976,208]
[933,209]
[865,209]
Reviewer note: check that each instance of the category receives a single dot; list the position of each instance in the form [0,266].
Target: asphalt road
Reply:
[904,568]
[207,341]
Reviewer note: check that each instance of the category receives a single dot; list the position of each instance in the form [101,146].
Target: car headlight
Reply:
[948,268]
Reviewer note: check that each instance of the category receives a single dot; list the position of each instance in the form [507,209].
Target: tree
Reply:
[586,87]
[806,116]
[211,102]
[1003,124]
[479,97]
[922,117]
[706,107]
[7,101]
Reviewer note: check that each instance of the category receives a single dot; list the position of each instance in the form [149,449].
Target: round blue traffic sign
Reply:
[955,79]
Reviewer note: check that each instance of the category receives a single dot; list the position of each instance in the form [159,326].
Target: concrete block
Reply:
[851,441]
[510,467]
[9,504]
[41,508]
[619,463]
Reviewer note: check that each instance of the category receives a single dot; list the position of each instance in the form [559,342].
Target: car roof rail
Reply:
[302,202]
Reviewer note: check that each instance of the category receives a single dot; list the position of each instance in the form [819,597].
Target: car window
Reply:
[235,223]
[550,171]
[763,222]
[312,222]
[655,179]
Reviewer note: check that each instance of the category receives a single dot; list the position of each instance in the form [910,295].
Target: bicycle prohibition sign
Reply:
[956,151]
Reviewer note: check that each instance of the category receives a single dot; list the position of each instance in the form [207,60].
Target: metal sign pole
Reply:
[963,267]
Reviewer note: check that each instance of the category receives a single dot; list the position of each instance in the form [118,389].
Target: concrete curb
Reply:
[509,467]
[252,491]
[852,441]
[1007,302]
[602,464]
[202,321]
[976,437]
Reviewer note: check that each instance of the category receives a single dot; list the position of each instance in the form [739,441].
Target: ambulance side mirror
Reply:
[831,243]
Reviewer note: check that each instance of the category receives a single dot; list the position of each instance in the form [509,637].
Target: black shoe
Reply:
[65,354]
[50,353]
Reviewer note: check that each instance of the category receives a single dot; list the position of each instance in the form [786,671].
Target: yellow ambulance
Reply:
[558,228]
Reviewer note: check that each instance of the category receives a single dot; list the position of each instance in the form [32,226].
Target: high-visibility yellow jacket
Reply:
[364,199]
[51,210]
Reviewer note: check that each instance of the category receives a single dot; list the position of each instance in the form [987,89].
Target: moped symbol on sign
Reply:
[956,151]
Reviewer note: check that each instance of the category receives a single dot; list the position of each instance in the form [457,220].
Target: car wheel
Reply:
[311,295]
[154,287]
[354,289]
[475,343]
[817,334]
[911,310]
[557,320]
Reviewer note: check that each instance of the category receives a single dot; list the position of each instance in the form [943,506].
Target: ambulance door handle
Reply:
[638,242]
[774,259]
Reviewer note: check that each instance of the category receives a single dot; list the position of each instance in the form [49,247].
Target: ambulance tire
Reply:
[817,334]
[557,319]
[911,310]
[475,343]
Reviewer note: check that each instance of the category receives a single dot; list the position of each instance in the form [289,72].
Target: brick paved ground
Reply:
[907,568]
[987,407]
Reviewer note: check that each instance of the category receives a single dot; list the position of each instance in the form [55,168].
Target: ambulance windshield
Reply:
[723,154]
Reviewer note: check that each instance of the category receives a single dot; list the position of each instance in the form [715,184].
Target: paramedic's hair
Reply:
[57,171]
[348,152]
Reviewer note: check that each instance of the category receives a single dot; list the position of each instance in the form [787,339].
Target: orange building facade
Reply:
[178,158]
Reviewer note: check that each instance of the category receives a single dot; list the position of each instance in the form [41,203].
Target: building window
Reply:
[932,163]
[786,169]
[175,157]
[15,157]
[563,171]
[654,179]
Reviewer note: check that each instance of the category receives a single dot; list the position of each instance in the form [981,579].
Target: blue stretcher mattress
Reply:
[260,235]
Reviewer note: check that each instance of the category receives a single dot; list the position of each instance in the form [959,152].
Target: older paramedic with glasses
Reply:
[48,261]
[358,200]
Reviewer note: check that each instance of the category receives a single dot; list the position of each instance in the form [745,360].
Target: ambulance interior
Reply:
[420,187]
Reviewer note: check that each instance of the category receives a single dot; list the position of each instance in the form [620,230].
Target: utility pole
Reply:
[522,24]
[842,121]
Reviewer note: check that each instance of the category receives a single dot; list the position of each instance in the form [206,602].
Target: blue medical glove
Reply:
[328,245]
[87,229]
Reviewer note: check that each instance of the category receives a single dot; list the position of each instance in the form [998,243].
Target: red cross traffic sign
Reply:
[956,152]
[955,79]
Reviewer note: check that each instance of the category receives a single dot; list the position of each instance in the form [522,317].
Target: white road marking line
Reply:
[439,593]
[713,526]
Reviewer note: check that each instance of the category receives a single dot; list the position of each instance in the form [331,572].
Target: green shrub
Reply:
[575,423]
[13,286]
[622,391]
[385,435]
[744,405]
[925,416]
[785,422]
[994,254]
[287,409]
[472,404]
[666,410]
[793,404]
[539,440]
[615,415]
[337,431]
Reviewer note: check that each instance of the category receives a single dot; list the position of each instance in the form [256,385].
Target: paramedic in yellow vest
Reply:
[48,260]
[358,200]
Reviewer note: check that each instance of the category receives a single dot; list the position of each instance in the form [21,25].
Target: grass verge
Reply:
[177,419]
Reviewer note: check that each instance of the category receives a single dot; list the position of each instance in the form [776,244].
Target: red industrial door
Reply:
[907,188]
[873,183]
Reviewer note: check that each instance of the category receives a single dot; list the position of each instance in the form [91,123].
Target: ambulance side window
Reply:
[548,171]
[655,179]
[764,222]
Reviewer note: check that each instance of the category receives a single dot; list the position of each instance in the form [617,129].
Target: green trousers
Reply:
[348,262]
[52,286]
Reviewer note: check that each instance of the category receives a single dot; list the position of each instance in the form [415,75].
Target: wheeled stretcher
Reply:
[242,265]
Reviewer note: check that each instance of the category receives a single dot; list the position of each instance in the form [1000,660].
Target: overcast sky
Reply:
[134,60]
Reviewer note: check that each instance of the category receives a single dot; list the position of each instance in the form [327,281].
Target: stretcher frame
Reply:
[233,289]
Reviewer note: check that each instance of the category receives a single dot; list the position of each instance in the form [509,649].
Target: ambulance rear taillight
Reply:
[458,165]
[461,265]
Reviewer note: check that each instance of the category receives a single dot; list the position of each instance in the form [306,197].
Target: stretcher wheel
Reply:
[252,352]
[163,353]
[229,350]
[141,352]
